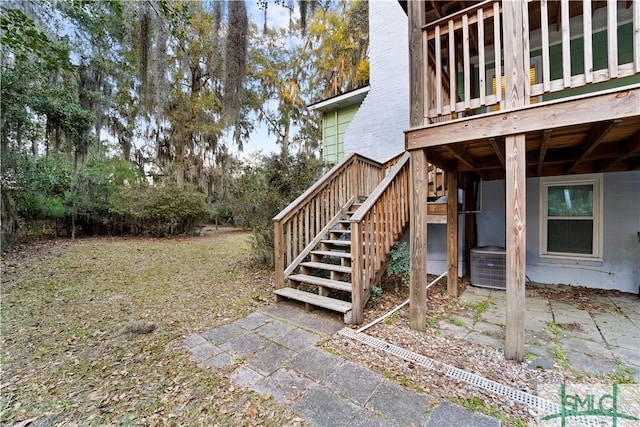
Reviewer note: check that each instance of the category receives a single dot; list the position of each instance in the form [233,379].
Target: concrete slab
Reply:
[449,329]
[253,321]
[495,316]
[222,334]
[270,358]
[320,407]
[354,381]
[245,376]
[564,307]
[243,345]
[222,360]
[285,386]
[298,339]
[625,355]
[397,403]
[589,364]
[486,340]
[538,304]
[618,331]
[204,351]
[448,414]
[315,363]
[367,418]
[193,341]
[323,322]
[595,349]
[274,329]
[490,329]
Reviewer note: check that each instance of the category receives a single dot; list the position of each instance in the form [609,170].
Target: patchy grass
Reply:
[478,308]
[68,357]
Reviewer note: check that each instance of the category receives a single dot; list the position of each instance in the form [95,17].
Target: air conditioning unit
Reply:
[488,267]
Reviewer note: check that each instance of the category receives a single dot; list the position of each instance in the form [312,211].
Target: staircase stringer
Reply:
[375,227]
[316,240]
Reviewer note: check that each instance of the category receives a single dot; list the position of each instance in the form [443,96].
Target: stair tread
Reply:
[325,266]
[317,300]
[332,253]
[321,281]
[337,242]
[338,230]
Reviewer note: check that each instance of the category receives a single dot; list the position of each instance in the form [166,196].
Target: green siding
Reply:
[334,124]
[600,61]
[600,58]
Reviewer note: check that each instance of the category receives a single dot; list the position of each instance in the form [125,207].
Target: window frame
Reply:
[597,216]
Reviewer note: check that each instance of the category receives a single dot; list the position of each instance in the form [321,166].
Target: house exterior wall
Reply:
[334,125]
[620,265]
[377,128]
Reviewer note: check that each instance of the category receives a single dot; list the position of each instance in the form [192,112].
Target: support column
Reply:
[415,13]
[418,185]
[452,232]
[515,47]
[516,181]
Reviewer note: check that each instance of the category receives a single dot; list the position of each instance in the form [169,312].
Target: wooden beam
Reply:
[544,143]
[462,154]
[632,149]
[418,183]
[452,232]
[609,105]
[516,172]
[595,136]
[437,159]
[415,12]
[499,149]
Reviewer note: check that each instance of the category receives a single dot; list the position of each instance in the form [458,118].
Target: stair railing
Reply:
[375,227]
[302,224]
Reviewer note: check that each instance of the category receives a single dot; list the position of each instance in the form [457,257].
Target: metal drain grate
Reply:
[516,395]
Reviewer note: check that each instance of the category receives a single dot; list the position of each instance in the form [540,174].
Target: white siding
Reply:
[620,265]
[377,129]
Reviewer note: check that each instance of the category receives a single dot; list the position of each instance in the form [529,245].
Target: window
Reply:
[571,216]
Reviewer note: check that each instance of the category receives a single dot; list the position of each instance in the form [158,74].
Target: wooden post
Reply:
[452,232]
[357,282]
[516,176]
[417,67]
[418,186]
[516,181]
[278,256]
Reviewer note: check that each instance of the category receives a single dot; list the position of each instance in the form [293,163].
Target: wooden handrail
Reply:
[297,227]
[284,214]
[380,189]
[470,41]
[375,227]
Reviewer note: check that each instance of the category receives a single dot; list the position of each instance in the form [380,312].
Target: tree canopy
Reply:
[165,86]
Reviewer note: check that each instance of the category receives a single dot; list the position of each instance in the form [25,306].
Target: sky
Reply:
[260,140]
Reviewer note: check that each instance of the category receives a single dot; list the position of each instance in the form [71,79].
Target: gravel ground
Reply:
[475,358]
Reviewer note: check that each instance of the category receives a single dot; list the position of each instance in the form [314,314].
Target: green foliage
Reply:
[40,186]
[376,293]
[478,308]
[158,210]
[399,262]
[621,375]
[262,189]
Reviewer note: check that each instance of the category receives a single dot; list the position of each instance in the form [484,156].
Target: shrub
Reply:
[399,262]
[158,210]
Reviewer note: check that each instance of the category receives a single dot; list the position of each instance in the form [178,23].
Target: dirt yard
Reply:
[91,331]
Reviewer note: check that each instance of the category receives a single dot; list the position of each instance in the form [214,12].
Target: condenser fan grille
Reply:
[488,267]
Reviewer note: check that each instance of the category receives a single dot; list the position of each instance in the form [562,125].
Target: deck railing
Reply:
[463,57]
[375,227]
[302,224]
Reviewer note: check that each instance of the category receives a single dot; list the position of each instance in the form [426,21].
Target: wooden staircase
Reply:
[331,244]
[324,280]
